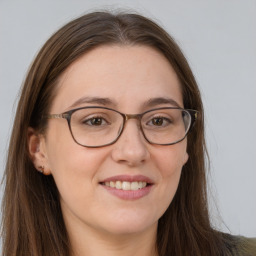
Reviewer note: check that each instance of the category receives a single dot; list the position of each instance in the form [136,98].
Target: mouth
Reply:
[128,187]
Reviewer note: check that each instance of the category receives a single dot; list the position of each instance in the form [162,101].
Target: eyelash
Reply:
[160,117]
[93,118]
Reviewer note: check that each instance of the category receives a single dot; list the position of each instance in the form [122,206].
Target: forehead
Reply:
[127,75]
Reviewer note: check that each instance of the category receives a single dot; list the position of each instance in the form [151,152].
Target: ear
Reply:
[185,159]
[37,151]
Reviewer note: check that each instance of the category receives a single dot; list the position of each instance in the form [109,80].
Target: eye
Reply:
[159,121]
[95,121]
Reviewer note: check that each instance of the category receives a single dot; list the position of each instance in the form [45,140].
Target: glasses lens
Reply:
[94,127]
[166,126]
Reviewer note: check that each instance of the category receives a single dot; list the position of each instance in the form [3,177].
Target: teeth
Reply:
[118,184]
[126,185]
[134,185]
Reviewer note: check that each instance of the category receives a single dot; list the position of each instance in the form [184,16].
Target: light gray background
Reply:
[219,39]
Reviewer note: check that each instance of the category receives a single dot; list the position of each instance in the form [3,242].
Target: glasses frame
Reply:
[67,115]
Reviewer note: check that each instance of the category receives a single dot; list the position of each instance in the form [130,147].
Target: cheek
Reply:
[73,167]
[171,159]
[169,163]
[64,154]
[75,173]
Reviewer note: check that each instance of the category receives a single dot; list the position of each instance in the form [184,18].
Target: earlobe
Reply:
[37,153]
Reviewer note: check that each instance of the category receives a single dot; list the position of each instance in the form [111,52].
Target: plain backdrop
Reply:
[218,38]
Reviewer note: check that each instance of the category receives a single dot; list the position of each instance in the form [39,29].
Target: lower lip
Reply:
[129,194]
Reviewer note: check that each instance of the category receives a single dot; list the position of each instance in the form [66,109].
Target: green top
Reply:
[243,246]
[248,246]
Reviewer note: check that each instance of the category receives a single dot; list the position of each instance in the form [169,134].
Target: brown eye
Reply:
[95,121]
[157,121]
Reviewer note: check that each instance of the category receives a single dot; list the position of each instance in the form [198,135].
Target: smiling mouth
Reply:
[126,185]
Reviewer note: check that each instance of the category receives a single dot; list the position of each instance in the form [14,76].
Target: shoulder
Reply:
[240,246]
[247,246]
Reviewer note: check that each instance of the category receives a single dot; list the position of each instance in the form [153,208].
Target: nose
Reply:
[131,148]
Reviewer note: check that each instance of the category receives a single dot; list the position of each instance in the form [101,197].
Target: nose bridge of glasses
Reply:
[137,122]
[137,118]
[134,116]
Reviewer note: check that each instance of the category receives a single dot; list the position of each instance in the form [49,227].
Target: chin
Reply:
[128,230]
[129,224]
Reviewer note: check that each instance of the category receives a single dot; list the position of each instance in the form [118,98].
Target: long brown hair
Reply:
[32,218]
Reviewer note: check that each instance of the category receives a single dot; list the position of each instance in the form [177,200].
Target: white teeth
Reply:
[112,184]
[126,185]
[134,185]
[118,184]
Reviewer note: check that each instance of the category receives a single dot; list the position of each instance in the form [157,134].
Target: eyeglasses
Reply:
[95,126]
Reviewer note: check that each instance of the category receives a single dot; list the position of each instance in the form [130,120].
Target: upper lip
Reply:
[129,178]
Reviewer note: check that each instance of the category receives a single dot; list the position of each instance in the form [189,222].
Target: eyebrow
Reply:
[108,102]
[161,100]
[93,100]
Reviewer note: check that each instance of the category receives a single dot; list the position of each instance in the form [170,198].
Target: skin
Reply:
[99,223]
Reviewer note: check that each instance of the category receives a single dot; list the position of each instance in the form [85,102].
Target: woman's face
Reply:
[128,78]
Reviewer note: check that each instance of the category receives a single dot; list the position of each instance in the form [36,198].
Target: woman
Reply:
[124,174]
